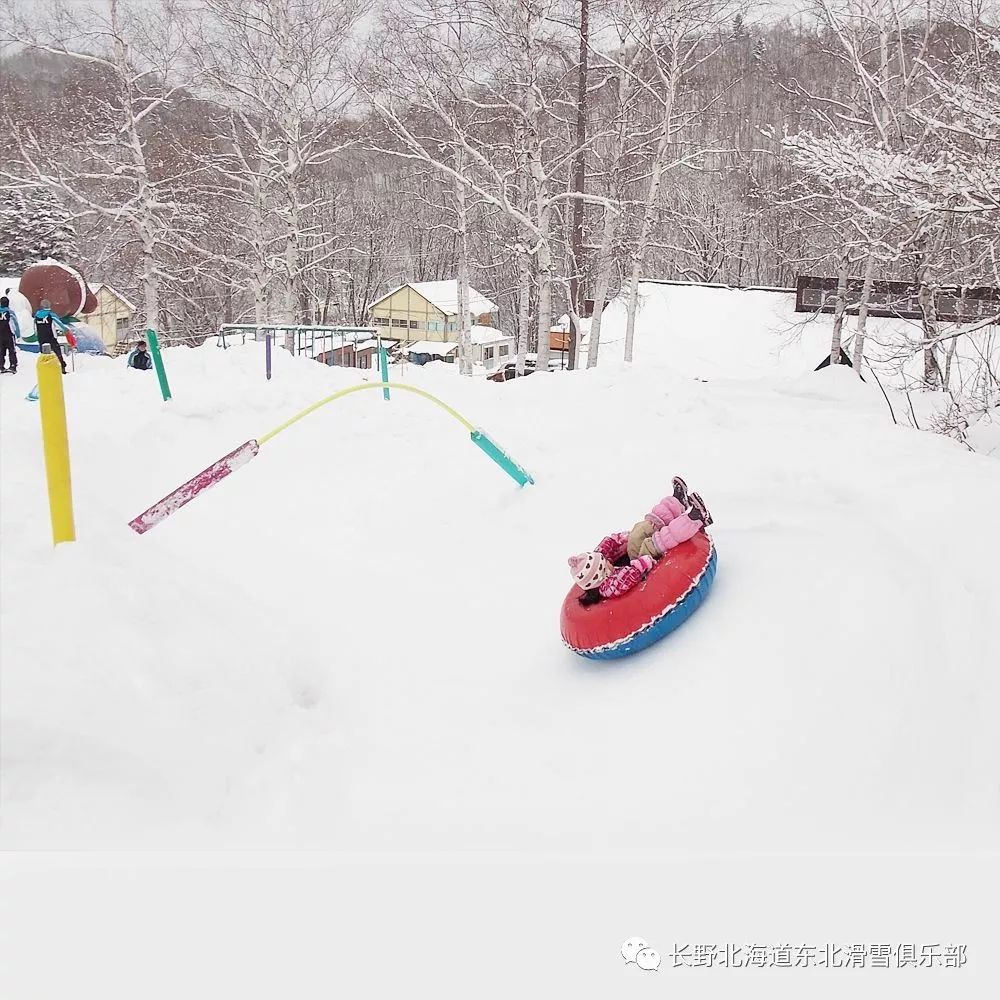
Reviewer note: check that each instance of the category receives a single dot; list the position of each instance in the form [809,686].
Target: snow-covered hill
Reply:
[354,641]
[352,644]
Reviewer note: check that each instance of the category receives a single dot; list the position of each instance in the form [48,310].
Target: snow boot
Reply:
[699,512]
[680,491]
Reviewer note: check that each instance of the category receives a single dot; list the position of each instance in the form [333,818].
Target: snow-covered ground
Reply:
[352,645]
[752,334]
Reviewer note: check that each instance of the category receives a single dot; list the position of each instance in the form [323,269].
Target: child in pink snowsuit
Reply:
[673,520]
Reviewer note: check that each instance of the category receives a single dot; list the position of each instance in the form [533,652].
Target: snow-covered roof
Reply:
[484,335]
[564,325]
[444,295]
[114,291]
[431,347]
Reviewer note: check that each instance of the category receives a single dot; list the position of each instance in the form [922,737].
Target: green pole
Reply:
[161,374]
[383,362]
[482,440]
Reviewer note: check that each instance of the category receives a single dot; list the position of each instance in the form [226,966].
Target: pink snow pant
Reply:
[673,524]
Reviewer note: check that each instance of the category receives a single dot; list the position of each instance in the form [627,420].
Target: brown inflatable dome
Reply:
[63,286]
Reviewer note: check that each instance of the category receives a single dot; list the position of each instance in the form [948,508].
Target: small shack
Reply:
[423,351]
[113,317]
[490,347]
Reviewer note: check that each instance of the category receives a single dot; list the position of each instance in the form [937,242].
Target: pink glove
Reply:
[627,578]
[613,547]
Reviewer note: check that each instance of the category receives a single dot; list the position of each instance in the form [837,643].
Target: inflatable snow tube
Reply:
[670,594]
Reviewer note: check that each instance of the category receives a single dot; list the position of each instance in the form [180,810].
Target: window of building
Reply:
[413,324]
[947,305]
[381,320]
[121,326]
[487,353]
[435,327]
[400,322]
[504,350]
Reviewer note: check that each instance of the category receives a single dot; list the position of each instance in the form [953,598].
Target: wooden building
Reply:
[954,304]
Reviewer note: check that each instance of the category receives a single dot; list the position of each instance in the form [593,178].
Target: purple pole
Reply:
[267,354]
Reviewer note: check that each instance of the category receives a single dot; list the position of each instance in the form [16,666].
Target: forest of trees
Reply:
[291,160]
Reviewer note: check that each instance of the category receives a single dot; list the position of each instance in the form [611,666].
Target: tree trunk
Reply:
[929,322]
[605,262]
[464,333]
[150,286]
[579,183]
[866,294]
[839,311]
[291,246]
[539,186]
[632,307]
[523,309]
[544,258]
[652,197]
[259,303]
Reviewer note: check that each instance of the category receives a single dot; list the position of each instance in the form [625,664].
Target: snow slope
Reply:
[353,642]
[352,645]
[750,334]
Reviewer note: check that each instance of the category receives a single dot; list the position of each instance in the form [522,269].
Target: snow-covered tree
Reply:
[281,67]
[676,38]
[493,121]
[113,171]
[35,225]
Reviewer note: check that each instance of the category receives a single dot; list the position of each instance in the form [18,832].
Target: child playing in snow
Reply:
[139,358]
[8,324]
[44,320]
[673,520]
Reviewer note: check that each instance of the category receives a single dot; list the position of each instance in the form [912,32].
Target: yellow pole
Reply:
[55,443]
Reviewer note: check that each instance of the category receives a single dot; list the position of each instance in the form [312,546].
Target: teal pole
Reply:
[161,374]
[383,362]
[483,441]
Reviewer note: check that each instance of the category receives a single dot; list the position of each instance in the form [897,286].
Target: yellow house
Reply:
[428,311]
[113,316]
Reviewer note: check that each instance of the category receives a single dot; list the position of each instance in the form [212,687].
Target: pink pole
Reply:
[188,491]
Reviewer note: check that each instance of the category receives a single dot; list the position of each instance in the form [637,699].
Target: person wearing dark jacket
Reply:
[44,319]
[139,358]
[8,324]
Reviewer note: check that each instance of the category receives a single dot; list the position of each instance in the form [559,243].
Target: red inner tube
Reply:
[611,621]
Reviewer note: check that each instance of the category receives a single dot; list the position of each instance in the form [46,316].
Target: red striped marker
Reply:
[188,491]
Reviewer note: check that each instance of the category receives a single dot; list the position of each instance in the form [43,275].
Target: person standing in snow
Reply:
[139,358]
[673,520]
[44,319]
[8,325]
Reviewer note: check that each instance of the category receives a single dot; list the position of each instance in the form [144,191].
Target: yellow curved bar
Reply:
[360,388]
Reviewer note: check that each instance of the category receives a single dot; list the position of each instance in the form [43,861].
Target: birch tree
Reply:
[282,65]
[676,37]
[496,115]
[112,175]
